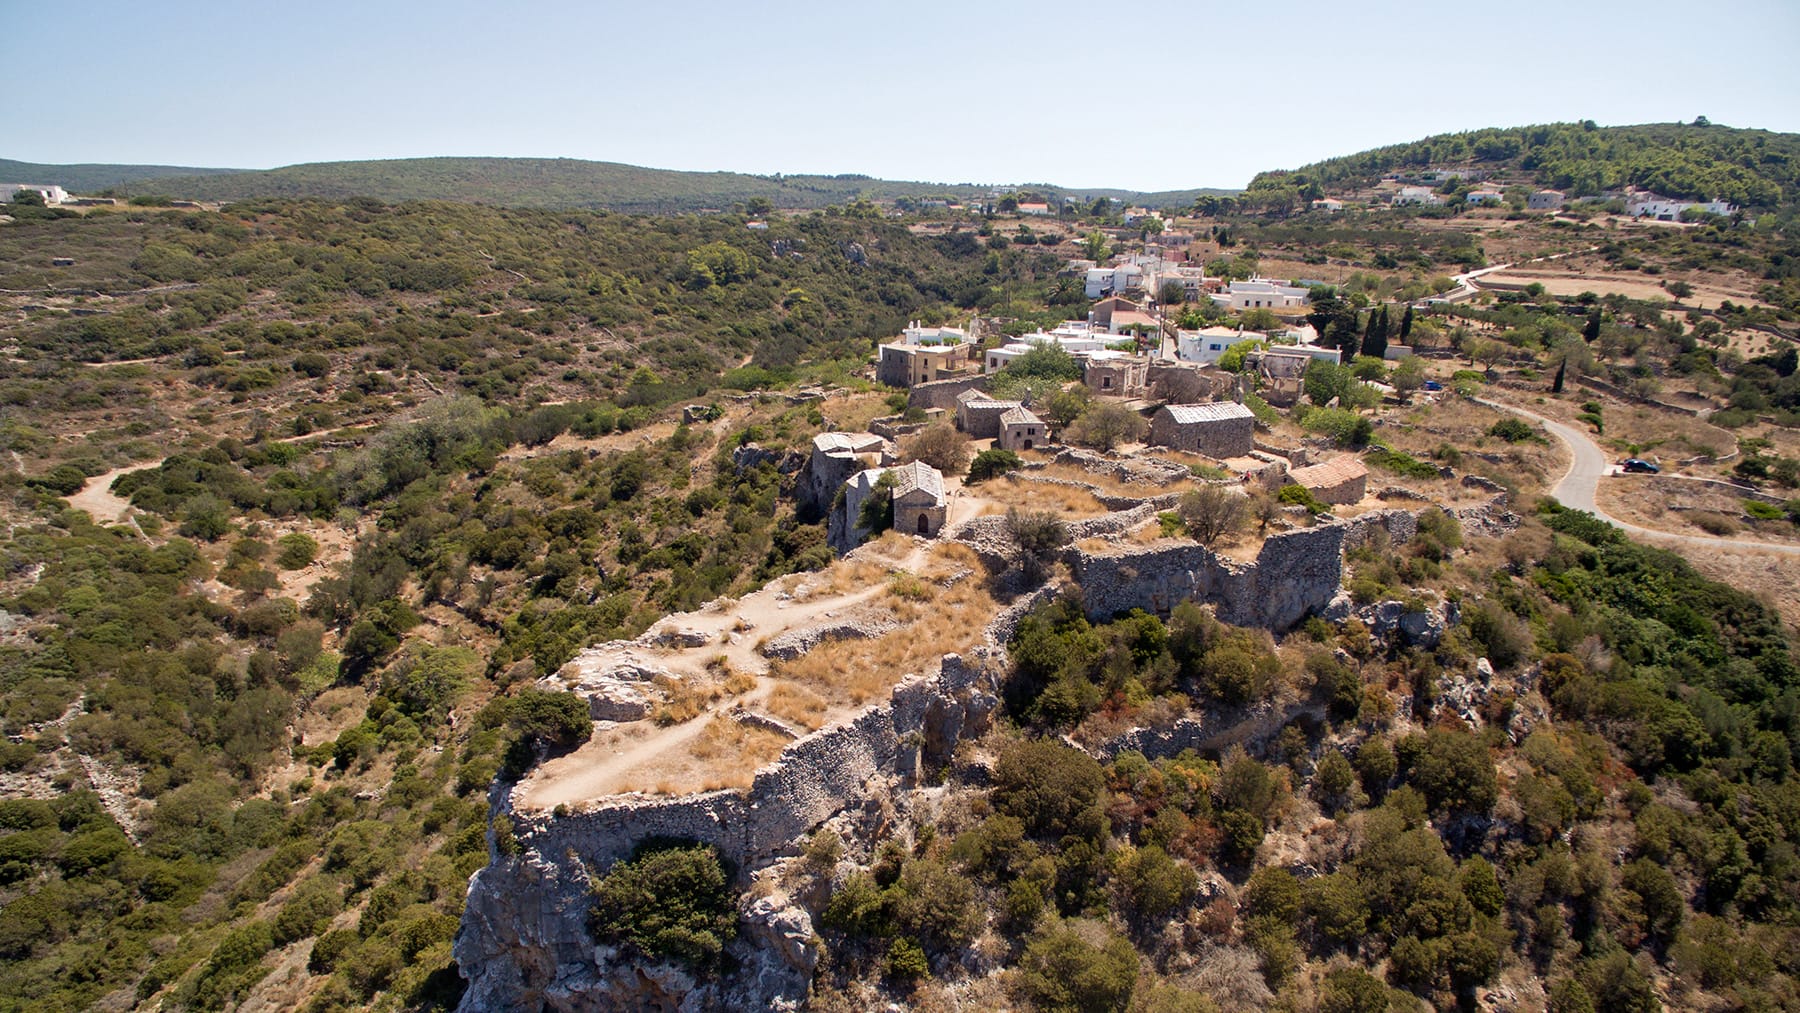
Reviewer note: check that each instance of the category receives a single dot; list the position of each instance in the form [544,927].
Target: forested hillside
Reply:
[87,178]
[1752,168]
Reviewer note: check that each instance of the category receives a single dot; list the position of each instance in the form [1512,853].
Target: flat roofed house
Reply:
[1546,200]
[1219,429]
[1116,374]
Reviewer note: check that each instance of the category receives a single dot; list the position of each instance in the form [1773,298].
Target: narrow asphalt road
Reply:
[1577,487]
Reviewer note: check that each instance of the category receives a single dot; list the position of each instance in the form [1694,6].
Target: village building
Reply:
[1652,206]
[909,365]
[1416,195]
[1261,293]
[52,194]
[1546,200]
[1034,208]
[1219,429]
[978,415]
[1340,481]
[920,506]
[1208,345]
[836,457]
[1020,429]
[1483,196]
[1116,374]
[1328,204]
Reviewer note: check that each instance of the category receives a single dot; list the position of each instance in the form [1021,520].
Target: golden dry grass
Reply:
[797,705]
[747,747]
[1105,483]
[853,673]
[1064,501]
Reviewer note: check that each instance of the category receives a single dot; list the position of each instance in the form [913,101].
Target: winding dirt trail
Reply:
[98,499]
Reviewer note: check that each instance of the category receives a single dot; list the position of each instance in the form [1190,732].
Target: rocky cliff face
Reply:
[524,941]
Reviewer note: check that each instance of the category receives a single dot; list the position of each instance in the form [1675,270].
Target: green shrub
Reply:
[1763,511]
[993,463]
[1400,463]
[1512,430]
[669,900]
[1078,969]
[1299,495]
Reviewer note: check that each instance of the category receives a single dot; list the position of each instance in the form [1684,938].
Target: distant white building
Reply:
[1034,209]
[1483,196]
[1261,293]
[916,334]
[1328,204]
[1104,281]
[1416,195]
[1651,206]
[51,193]
[1209,344]
[1547,200]
[1319,352]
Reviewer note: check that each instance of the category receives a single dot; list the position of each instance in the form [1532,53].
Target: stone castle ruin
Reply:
[524,941]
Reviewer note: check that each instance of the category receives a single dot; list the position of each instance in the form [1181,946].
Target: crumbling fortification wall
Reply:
[524,942]
[1296,574]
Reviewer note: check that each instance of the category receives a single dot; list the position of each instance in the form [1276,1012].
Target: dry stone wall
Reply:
[524,942]
[1296,574]
[942,393]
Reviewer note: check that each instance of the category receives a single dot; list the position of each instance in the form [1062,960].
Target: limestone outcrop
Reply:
[524,943]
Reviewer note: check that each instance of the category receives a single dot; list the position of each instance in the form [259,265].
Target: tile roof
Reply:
[1343,468]
[1216,411]
[1020,417]
[918,475]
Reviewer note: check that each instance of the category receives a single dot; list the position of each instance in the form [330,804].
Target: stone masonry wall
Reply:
[1296,574]
[524,943]
[942,393]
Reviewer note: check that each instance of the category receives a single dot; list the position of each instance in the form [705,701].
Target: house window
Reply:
[1105,382]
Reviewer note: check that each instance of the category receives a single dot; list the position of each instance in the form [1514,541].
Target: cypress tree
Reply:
[1592,330]
[1406,324]
[1561,369]
[1375,342]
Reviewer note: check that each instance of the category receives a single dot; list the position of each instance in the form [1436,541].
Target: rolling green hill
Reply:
[87,178]
[1753,168]
[563,183]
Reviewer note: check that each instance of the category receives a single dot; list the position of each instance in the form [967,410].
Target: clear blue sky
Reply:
[1152,95]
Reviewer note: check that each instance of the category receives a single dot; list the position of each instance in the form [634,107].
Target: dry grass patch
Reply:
[1064,501]
[736,751]
[684,699]
[854,673]
[797,705]
[1109,484]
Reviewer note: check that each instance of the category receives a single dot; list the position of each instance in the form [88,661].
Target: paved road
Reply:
[1577,487]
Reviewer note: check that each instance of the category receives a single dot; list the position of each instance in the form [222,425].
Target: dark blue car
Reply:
[1635,466]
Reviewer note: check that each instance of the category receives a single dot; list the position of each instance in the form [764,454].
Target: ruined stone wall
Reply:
[942,393]
[523,942]
[1296,574]
[1185,383]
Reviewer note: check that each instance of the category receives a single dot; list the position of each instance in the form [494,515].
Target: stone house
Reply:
[920,506]
[1022,430]
[836,457]
[1342,480]
[1220,429]
[979,415]
[902,365]
[1546,200]
[1116,375]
